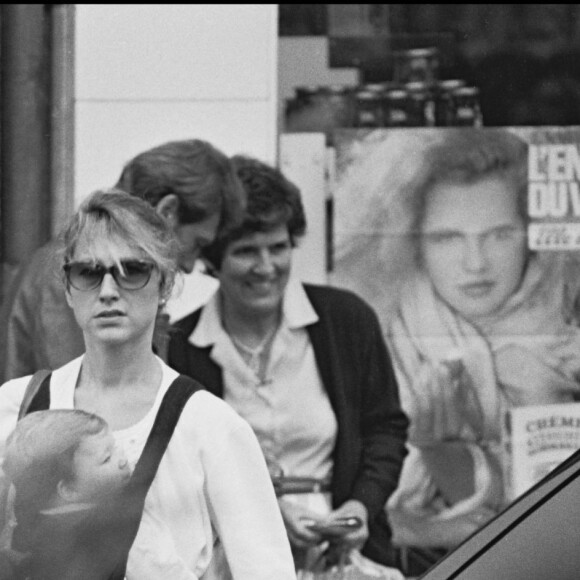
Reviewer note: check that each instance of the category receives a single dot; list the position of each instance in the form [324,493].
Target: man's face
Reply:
[193,238]
[473,244]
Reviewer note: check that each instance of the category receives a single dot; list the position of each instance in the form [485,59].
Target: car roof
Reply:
[537,537]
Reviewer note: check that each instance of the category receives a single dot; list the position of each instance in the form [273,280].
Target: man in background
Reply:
[190,183]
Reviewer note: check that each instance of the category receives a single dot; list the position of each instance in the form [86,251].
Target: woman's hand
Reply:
[356,538]
[445,403]
[297,520]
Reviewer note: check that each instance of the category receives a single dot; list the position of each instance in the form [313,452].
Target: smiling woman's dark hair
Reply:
[272,201]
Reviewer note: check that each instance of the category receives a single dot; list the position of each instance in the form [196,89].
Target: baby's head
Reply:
[63,456]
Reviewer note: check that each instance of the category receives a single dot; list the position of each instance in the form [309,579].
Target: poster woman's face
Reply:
[473,244]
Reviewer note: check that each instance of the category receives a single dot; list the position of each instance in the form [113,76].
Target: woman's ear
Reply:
[68,296]
[168,209]
[66,492]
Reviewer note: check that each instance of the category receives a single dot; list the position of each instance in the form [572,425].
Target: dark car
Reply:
[537,537]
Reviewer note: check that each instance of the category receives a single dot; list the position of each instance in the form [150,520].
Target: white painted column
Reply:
[150,73]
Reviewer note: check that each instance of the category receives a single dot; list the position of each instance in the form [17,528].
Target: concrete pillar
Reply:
[25,122]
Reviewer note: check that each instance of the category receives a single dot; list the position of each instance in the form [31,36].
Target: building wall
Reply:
[146,74]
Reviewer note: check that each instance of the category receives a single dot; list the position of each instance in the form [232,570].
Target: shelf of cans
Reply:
[415,97]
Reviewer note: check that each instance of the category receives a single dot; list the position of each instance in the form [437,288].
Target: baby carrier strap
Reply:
[37,398]
[37,394]
[166,420]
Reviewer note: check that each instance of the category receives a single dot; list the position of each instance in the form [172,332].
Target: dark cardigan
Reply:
[357,374]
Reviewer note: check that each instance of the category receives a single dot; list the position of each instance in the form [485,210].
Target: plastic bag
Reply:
[353,566]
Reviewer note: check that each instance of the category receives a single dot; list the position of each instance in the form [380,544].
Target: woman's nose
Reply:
[474,257]
[109,288]
[265,263]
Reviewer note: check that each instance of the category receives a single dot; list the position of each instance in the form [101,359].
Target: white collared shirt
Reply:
[290,411]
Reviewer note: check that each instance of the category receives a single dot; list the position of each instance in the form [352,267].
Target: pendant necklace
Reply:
[253,355]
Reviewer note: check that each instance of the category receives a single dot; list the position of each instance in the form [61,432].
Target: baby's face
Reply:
[100,468]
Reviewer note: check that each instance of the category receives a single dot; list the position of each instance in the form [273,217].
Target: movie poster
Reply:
[466,243]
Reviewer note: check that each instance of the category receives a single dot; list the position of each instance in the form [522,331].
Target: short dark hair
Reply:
[272,200]
[199,174]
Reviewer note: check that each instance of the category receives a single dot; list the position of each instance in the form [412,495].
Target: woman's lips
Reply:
[477,289]
[261,287]
[110,314]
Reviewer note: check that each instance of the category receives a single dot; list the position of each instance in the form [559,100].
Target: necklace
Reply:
[253,355]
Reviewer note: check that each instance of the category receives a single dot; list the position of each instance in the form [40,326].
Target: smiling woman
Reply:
[119,264]
[308,369]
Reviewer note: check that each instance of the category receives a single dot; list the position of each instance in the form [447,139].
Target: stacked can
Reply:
[416,65]
[432,102]
[416,72]
[445,102]
[420,104]
[395,103]
[368,107]
[416,97]
[467,111]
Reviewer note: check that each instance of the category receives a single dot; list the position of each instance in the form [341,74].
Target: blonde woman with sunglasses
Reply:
[211,495]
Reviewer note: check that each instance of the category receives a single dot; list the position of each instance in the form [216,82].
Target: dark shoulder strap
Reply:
[37,394]
[166,420]
[167,417]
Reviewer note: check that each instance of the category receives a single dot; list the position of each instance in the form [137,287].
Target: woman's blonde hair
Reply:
[112,213]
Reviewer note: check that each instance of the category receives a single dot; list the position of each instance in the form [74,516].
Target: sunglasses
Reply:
[129,274]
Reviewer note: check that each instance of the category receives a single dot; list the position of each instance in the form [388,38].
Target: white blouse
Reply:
[212,480]
[290,411]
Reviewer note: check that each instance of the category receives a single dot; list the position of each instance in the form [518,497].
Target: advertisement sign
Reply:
[554,192]
[464,242]
[539,438]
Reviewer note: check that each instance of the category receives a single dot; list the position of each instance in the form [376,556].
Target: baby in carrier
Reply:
[69,476]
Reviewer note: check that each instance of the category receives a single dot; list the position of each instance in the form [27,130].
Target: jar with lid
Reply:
[444,103]
[395,108]
[368,112]
[420,104]
[340,100]
[467,107]
[416,64]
